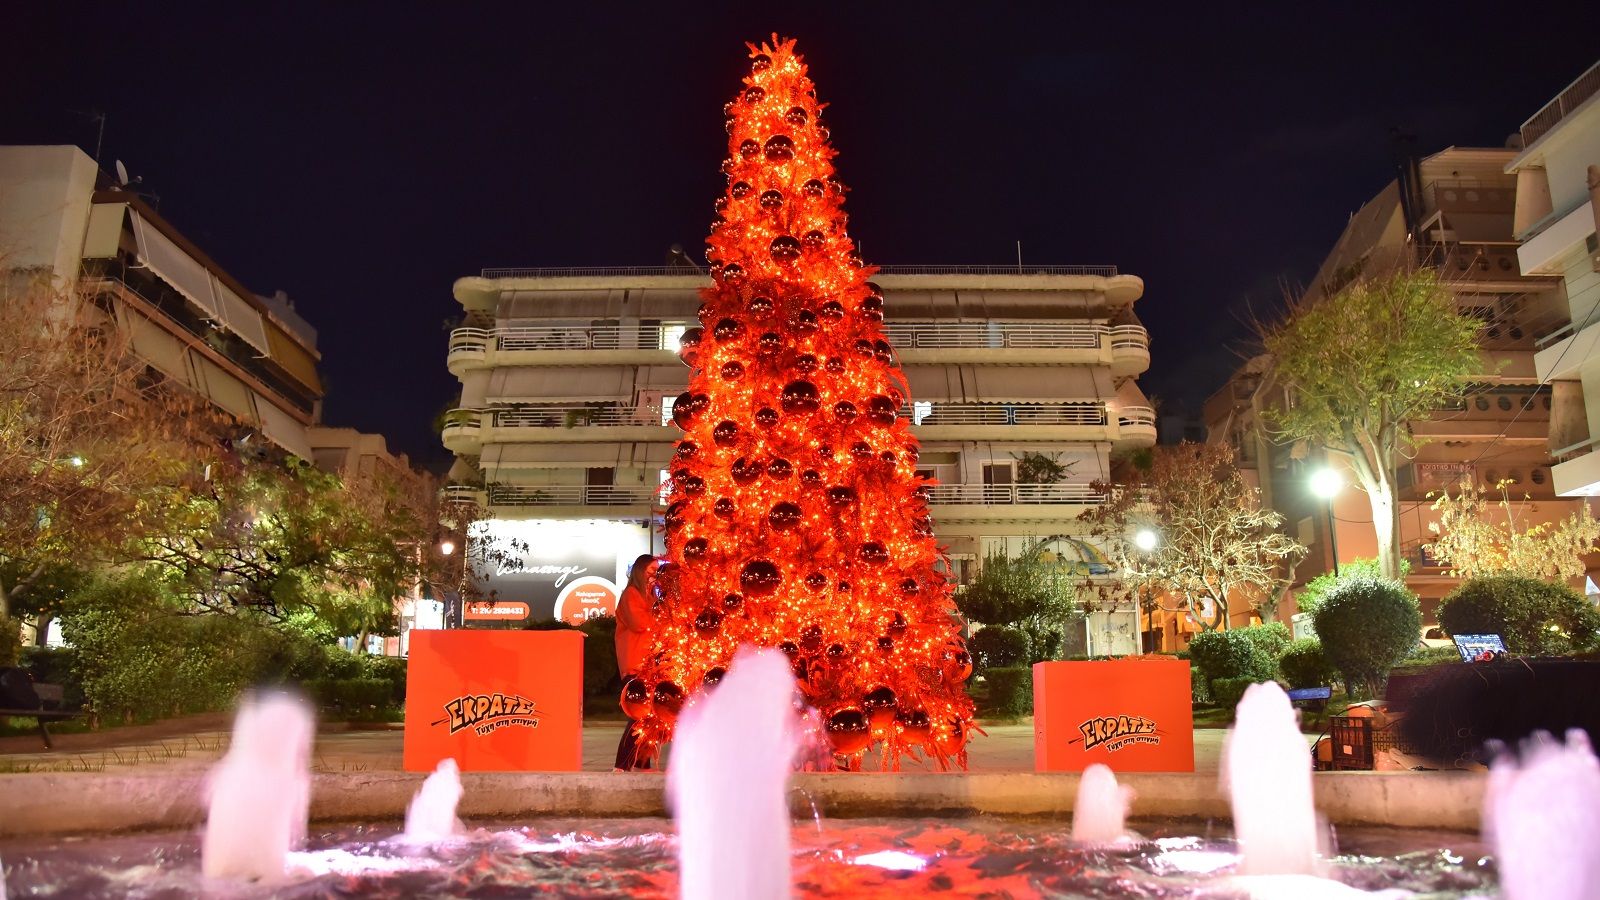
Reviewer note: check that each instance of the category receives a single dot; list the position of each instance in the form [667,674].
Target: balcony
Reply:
[1481,266]
[464,494]
[1136,427]
[1010,503]
[463,431]
[1125,348]
[654,271]
[1570,98]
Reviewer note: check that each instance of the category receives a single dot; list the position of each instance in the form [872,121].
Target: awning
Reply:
[671,379]
[242,318]
[293,358]
[159,348]
[225,390]
[177,268]
[474,388]
[561,384]
[1009,384]
[546,305]
[282,429]
[1130,395]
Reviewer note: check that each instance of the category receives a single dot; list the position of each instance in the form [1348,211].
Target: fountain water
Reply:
[730,760]
[1102,807]
[260,794]
[1542,815]
[431,814]
[1267,771]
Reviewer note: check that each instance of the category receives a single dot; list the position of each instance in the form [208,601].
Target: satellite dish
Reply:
[122,173]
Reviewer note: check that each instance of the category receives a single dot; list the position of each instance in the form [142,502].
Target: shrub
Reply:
[998,647]
[1199,690]
[1535,617]
[1367,624]
[1310,596]
[351,698]
[1303,664]
[601,683]
[1270,638]
[391,669]
[1227,692]
[1010,691]
[55,665]
[1428,656]
[1229,654]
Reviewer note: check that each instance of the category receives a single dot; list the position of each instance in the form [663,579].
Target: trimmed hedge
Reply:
[1303,664]
[1230,654]
[1367,624]
[391,669]
[353,698]
[1271,638]
[1010,691]
[998,647]
[1535,617]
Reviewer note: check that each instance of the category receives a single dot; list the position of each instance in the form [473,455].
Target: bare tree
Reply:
[1475,538]
[1208,543]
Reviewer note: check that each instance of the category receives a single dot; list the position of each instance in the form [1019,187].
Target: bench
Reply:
[21,698]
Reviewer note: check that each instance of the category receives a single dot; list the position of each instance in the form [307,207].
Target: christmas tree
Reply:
[796,518]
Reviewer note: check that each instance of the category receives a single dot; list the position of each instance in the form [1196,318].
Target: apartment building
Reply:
[1556,222]
[1452,212]
[564,426]
[188,319]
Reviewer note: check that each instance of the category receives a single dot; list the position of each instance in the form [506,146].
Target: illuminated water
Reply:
[1098,816]
[727,783]
[431,814]
[258,796]
[863,858]
[1542,814]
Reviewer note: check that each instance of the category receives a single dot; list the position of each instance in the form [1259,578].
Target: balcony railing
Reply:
[1475,195]
[568,495]
[903,335]
[1136,416]
[460,493]
[1014,494]
[645,271]
[575,416]
[1481,261]
[1010,414]
[1570,98]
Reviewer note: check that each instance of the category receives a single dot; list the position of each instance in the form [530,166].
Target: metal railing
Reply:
[1136,416]
[568,416]
[463,418]
[1010,414]
[645,271]
[1570,98]
[902,335]
[1469,195]
[1014,494]
[568,495]
[460,493]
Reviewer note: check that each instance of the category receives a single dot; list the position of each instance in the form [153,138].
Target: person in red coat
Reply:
[636,623]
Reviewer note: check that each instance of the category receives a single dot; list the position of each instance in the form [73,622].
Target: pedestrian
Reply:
[636,623]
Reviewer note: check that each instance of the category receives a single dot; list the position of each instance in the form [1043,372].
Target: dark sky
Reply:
[363,156]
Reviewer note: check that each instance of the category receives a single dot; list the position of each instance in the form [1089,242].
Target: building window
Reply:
[1536,476]
[1505,403]
[920,409]
[997,482]
[671,336]
[666,408]
[1482,403]
[601,476]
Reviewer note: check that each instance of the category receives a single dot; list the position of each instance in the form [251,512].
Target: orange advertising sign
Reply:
[1134,715]
[495,609]
[495,701]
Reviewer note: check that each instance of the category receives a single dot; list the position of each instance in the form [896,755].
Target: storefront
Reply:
[572,570]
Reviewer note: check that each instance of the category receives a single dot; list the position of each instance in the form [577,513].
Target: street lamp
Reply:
[1325,483]
[1145,539]
[447,547]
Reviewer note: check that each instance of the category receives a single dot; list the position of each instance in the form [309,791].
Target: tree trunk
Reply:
[41,628]
[1371,460]
[361,642]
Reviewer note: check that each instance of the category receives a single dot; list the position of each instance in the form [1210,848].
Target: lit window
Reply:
[670,336]
[666,409]
[665,489]
[920,409]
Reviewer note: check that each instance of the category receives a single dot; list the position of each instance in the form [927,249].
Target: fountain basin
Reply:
[89,803]
[838,858]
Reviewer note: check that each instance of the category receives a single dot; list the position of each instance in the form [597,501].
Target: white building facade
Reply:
[564,428]
[1557,220]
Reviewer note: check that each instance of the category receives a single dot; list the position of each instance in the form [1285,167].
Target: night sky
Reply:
[364,156]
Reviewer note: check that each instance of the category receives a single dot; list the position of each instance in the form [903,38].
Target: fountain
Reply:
[1266,768]
[1542,814]
[431,814]
[725,783]
[260,794]
[1101,808]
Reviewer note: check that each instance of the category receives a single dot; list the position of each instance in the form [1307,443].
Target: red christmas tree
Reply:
[796,518]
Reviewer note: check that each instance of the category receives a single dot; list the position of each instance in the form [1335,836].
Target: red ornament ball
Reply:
[760,578]
[779,148]
[872,553]
[668,701]
[849,731]
[801,398]
[784,516]
[880,704]
[726,434]
[784,248]
[635,699]
[779,470]
[708,623]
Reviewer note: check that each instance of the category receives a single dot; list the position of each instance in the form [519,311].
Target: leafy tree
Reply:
[1475,540]
[1029,593]
[1367,624]
[998,646]
[1215,544]
[1534,617]
[91,452]
[1357,365]
[1041,468]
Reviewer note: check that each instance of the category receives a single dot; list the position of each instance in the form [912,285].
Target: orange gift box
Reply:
[1134,715]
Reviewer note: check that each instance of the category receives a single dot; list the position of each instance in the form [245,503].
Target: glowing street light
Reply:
[1146,539]
[77,461]
[446,547]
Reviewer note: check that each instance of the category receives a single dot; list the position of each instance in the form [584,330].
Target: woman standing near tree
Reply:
[635,624]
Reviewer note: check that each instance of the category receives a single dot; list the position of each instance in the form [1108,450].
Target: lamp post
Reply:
[1325,483]
[1146,540]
